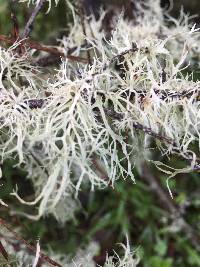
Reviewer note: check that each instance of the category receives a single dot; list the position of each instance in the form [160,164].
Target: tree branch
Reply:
[28,246]
[3,251]
[29,25]
[40,47]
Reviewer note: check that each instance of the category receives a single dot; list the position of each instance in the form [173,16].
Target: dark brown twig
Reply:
[3,251]
[54,59]
[28,246]
[40,47]
[133,49]
[139,126]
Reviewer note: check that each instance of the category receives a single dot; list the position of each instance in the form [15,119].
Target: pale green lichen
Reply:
[96,121]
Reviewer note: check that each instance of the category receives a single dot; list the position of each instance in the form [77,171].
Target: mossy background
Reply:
[107,215]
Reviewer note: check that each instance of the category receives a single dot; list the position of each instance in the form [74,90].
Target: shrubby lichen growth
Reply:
[94,116]
[124,90]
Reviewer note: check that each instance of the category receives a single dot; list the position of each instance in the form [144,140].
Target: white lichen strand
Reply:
[128,260]
[36,2]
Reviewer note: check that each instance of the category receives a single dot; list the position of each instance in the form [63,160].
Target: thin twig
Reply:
[29,25]
[3,251]
[38,103]
[162,138]
[28,246]
[40,47]
[169,205]
[55,59]
[133,49]
[139,126]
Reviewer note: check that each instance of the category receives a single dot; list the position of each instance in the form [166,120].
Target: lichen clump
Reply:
[92,122]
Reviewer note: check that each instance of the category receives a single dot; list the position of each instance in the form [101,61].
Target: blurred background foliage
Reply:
[108,215]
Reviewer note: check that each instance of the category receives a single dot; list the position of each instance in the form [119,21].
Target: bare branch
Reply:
[3,251]
[28,246]
[30,22]
[40,47]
